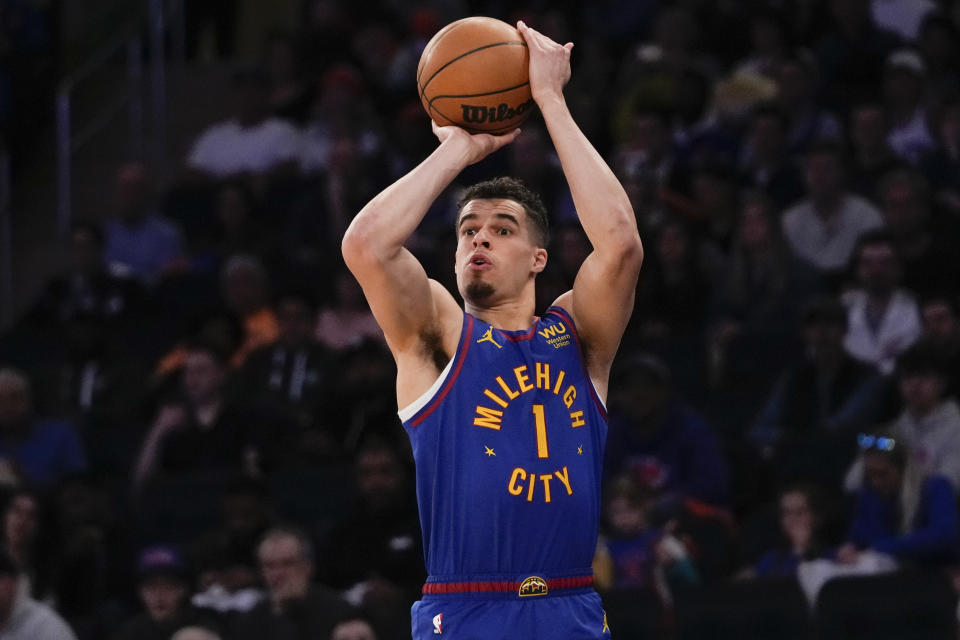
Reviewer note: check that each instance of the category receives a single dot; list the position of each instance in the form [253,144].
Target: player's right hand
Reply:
[476,146]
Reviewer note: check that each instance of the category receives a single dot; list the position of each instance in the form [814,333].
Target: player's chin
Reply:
[479,291]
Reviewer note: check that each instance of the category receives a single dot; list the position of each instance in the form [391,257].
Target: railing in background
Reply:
[129,40]
[6,243]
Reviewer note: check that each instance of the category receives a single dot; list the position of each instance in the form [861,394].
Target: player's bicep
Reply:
[399,294]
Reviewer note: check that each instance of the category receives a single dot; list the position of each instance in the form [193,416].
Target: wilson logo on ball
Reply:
[500,113]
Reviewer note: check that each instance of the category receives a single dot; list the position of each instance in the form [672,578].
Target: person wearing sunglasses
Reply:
[901,510]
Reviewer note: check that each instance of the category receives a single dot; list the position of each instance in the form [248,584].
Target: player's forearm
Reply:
[602,204]
[386,222]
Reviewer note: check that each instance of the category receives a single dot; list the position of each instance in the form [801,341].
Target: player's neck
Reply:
[509,315]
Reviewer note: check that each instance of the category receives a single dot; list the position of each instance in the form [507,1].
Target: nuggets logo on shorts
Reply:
[533,586]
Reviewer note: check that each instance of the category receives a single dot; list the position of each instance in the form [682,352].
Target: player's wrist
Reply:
[550,102]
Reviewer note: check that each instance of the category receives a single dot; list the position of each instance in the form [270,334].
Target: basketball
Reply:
[474,74]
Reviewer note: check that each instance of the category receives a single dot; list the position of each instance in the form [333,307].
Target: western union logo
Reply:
[556,335]
[533,586]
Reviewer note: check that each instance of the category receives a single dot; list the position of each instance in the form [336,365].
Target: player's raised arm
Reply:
[602,298]
[402,299]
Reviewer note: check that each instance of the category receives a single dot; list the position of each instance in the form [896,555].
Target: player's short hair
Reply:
[516,190]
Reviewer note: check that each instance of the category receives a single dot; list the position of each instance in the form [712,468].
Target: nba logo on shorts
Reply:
[438,623]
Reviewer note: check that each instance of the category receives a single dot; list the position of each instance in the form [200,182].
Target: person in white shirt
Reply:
[22,617]
[823,228]
[904,76]
[251,142]
[883,319]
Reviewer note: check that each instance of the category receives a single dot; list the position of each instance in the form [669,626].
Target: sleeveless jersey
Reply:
[508,445]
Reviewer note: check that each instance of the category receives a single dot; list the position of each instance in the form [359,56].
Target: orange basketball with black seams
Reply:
[474,73]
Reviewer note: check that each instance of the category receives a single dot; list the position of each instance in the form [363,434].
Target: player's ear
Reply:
[539,259]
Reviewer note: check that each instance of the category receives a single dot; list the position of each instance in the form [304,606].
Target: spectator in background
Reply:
[138,240]
[251,144]
[22,617]
[764,160]
[43,450]
[904,77]
[21,540]
[769,43]
[942,166]
[353,628]
[801,518]
[827,392]
[635,553]
[291,378]
[871,155]
[807,123]
[87,287]
[658,439]
[823,228]
[883,319]
[941,327]
[163,585]
[295,608]
[202,430]
[902,510]
[927,250]
[376,551]
[928,428]
[244,287]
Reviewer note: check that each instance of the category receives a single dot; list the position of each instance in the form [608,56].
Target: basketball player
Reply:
[504,409]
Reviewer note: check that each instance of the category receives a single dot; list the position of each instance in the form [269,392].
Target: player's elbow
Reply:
[356,246]
[628,251]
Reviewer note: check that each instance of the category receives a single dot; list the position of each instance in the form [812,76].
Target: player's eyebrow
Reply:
[505,216]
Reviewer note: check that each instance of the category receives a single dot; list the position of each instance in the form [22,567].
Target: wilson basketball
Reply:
[474,74]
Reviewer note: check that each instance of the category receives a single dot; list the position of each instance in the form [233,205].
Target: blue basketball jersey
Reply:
[508,445]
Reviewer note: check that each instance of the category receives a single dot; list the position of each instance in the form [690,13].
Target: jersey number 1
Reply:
[541,423]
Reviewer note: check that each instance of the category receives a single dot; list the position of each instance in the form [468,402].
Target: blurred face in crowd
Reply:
[824,176]
[823,339]
[203,376]
[380,479]
[939,320]
[353,630]
[921,391]
[296,321]
[285,567]
[903,208]
[132,192]
[628,517]
[86,252]
[868,129]
[797,520]
[755,230]
[878,269]
[20,520]
[162,596]
[881,473]
[14,402]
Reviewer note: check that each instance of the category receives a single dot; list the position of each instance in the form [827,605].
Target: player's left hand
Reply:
[549,64]
[476,146]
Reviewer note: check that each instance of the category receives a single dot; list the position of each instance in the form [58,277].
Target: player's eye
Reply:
[469,232]
[504,231]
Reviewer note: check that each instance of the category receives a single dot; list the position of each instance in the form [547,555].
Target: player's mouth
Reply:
[479,262]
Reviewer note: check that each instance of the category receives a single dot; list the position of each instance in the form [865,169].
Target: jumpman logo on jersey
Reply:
[488,337]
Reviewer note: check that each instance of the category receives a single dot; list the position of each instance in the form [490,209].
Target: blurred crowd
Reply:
[198,430]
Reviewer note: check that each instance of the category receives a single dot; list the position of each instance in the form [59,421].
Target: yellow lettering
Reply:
[510,392]
[576,418]
[533,483]
[500,401]
[546,486]
[489,418]
[556,388]
[548,332]
[569,396]
[543,375]
[565,479]
[513,487]
[522,378]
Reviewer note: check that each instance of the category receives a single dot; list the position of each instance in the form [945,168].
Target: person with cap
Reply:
[904,75]
[827,391]
[164,586]
[22,617]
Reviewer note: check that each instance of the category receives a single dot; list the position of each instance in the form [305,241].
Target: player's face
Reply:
[497,255]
